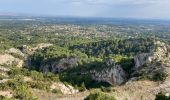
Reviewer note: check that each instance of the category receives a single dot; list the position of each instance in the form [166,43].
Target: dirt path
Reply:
[78,96]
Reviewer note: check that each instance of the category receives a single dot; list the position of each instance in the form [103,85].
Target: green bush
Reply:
[51,77]
[37,75]
[18,71]
[2,77]
[22,93]
[4,98]
[82,87]
[39,85]
[161,96]
[106,89]
[99,96]
[56,91]
[159,76]
[3,86]
[20,88]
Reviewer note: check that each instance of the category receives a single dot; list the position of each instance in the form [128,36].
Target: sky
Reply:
[89,8]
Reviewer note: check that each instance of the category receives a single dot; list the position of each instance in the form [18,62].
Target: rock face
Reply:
[113,75]
[154,62]
[147,65]
[59,65]
[141,59]
[160,54]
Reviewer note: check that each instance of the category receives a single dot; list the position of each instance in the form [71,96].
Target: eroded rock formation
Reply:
[59,65]
[112,74]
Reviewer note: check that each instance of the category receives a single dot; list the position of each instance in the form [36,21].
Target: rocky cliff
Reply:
[152,63]
[59,65]
[161,53]
[111,73]
[148,65]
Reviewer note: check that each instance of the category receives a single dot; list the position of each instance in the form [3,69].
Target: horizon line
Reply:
[13,14]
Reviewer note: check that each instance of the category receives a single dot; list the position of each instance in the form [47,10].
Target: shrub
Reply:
[82,87]
[37,75]
[39,85]
[127,64]
[2,77]
[159,76]
[51,77]
[106,89]
[4,98]
[18,71]
[99,96]
[161,96]
[56,91]
[3,86]
[22,93]
[20,89]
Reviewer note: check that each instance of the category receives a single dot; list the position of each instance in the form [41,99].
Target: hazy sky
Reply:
[92,8]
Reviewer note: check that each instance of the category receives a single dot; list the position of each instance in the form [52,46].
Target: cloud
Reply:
[120,2]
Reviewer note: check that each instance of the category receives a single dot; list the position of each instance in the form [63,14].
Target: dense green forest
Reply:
[107,48]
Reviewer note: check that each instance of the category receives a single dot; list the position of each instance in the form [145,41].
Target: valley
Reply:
[84,59]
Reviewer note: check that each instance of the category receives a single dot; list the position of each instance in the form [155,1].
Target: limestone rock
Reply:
[6,59]
[152,63]
[113,75]
[65,89]
[31,49]
[160,54]
[141,59]
[59,65]
[15,51]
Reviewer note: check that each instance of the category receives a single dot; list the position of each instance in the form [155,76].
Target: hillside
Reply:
[45,60]
[147,76]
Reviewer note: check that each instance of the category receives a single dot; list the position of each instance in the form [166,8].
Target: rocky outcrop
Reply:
[65,89]
[15,51]
[114,74]
[153,64]
[4,69]
[31,49]
[59,65]
[7,59]
[7,94]
[161,53]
